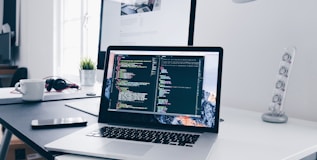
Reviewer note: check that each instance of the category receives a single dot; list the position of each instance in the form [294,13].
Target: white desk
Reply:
[244,136]
[8,95]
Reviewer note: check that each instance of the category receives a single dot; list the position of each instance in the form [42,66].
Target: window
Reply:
[78,34]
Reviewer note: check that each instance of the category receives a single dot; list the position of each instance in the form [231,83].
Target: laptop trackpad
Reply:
[128,148]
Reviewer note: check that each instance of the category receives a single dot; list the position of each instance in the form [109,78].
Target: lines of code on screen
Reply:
[155,84]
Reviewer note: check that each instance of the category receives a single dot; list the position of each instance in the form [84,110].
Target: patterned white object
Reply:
[283,75]
[276,114]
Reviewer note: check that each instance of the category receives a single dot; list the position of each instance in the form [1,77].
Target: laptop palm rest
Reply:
[129,148]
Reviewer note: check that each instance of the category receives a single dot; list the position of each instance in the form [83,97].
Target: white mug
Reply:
[31,89]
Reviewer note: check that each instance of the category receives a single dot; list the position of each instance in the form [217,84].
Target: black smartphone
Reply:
[58,122]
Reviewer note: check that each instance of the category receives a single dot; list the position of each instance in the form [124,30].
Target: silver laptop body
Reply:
[146,89]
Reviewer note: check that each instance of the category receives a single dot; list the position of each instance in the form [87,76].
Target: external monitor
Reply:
[145,22]
[5,49]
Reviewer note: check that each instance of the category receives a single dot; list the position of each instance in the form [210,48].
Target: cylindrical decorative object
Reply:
[87,77]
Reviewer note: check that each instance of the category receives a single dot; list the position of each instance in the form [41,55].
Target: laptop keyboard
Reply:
[170,138]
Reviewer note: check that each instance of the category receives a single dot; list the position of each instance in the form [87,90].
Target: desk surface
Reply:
[17,118]
[242,135]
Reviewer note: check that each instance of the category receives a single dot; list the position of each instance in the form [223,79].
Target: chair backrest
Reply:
[20,73]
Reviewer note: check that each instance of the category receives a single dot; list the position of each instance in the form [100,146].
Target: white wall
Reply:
[37,37]
[253,36]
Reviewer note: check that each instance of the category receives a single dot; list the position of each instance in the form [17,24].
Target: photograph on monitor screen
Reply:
[139,6]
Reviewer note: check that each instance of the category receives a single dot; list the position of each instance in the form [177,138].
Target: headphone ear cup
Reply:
[49,84]
[60,84]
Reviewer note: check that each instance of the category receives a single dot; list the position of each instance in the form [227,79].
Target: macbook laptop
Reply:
[156,103]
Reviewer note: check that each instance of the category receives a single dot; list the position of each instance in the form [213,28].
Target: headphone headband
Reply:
[58,84]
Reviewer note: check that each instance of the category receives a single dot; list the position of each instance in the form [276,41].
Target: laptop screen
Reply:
[177,87]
